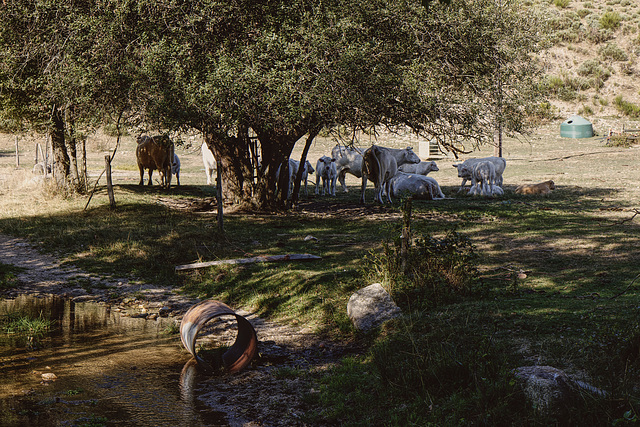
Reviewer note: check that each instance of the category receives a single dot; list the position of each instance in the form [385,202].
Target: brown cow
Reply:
[155,153]
[542,188]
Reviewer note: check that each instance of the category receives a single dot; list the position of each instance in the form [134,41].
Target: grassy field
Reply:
[553,273]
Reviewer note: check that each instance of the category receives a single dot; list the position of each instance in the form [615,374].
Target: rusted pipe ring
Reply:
[243,350]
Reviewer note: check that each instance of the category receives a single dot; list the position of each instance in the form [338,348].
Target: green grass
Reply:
[8,276]
[447,360]
[18,324]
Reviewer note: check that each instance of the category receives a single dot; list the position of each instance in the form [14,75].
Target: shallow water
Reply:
[110,369]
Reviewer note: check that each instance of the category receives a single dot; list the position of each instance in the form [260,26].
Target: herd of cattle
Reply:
[394,172]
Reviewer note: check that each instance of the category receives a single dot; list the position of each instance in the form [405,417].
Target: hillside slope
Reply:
[592,69]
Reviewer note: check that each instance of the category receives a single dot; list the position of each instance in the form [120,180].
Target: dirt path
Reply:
[259,395]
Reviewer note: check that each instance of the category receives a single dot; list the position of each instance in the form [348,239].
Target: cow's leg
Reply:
[178,177]
[150,173]
[464,181]
[363,188]
[341,177]
[141,175]
[387,186]
[167,174]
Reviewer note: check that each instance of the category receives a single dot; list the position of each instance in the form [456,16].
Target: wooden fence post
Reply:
[17,153]
[107,168]
[405,238]
[219,195]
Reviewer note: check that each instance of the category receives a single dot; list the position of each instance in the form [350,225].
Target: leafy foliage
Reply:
[434,271]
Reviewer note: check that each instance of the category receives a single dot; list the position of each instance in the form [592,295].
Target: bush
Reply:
[627,108]
[561,3]
[433,271]
[613,52]
[592,68]
[610,20]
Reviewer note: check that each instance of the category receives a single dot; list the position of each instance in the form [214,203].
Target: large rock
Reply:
[370,307]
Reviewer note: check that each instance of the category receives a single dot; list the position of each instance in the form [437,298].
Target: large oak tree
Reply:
[277,70]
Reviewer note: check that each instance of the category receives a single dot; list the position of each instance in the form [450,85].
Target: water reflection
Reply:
[110,368]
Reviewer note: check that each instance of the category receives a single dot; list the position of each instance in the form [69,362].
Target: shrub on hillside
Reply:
[627,108]
[610,20]
[561,3]
[613,52]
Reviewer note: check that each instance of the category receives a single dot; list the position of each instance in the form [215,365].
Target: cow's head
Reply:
[410,156]
[433,167]
[463,170]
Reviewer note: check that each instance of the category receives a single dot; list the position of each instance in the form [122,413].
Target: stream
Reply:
[97,367]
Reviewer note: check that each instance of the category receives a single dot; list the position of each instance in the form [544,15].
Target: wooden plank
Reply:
[261,258]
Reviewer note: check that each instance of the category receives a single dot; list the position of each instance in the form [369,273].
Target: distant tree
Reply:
[285,69]
[255,76]
[63,67]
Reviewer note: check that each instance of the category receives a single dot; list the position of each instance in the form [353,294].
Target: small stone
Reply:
[49,376]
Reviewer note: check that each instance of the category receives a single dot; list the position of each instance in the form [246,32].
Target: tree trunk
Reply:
[72,146]
[59,149]
[296,187]
[235,161]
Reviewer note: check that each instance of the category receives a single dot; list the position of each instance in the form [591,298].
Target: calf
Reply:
[294,165]
[484,175]
[541,188]
[422,168]
[155,153]
[209,162]
[465,169]
[175,168]
[327,172]
[416,186]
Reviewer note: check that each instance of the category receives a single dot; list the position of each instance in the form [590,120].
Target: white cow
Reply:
[209,162]
[422,168]
[175,167]
[465,169]
[327,172]
[380,177]
[294,165]
[415,185]
[379,166]
[348,160]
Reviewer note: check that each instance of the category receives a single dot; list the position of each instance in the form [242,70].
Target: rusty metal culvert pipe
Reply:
[243,350]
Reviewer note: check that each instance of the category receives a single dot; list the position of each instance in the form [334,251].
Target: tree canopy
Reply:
[279,70]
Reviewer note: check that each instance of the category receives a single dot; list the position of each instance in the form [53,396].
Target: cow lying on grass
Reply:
[155,153]
[422,168]
[541,188]
[495,190]
[414,185]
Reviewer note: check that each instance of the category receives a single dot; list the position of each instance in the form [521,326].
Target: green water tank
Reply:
[576,127]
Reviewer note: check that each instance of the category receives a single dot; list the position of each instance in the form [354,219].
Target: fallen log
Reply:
[261,258]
